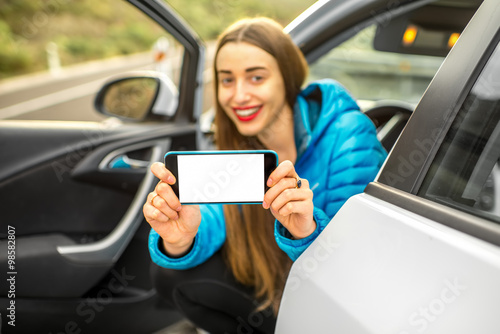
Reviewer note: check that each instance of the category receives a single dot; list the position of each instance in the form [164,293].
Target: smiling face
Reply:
[251,90]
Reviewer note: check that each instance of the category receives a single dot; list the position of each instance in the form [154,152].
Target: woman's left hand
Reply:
[290,203]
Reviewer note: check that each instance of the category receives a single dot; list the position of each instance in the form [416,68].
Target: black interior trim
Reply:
[37,260]
[80,138]
[390,119]
[475,226]
[109,249]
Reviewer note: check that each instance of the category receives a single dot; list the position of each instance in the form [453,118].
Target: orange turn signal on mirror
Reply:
[453,39]
[410,35]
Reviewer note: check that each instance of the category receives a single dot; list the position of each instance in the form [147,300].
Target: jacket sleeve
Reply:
[294,248]
[209,239]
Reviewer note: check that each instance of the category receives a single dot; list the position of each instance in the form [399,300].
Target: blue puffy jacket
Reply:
[337,152]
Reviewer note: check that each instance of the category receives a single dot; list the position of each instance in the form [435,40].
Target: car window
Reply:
[465,173]
[372,75]
[56,55]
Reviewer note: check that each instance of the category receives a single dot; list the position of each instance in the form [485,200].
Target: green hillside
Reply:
[210,17]
[94,29]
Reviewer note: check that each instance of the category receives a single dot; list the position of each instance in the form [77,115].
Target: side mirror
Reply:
[139,96]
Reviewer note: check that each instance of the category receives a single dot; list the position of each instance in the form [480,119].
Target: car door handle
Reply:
[109,249]
[124,161]
[120,159]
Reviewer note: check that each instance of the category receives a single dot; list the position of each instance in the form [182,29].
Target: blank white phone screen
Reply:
[221,178]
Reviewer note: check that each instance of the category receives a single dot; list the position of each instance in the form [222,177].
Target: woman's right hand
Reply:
[176,224]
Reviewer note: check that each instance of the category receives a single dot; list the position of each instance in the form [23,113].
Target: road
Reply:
[69,95]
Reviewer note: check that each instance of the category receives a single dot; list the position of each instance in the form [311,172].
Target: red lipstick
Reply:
[246,114]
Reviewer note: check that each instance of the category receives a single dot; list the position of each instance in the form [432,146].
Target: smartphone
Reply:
[228,177]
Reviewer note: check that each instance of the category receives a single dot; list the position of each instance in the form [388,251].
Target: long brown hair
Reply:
[250,249]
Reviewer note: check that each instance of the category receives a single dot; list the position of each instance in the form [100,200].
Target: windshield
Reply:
[372,75]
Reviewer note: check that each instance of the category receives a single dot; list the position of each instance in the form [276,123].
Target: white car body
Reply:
[419,250]
[378,268]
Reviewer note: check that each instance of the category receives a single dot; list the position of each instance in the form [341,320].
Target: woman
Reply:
[224,267]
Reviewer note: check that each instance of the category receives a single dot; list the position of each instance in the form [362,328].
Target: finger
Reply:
[153,215]
[298,207]
[291,196]
[285,183]
[284,169]
[167,193]
[159,203]
[150,197]
[162,173]
[278,188]
[304,183]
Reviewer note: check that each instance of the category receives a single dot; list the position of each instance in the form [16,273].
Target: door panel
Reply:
[61,188]
[71,193]
[76,210]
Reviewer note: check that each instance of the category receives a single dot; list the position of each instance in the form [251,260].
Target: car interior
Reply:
[396,55]
[431,30]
